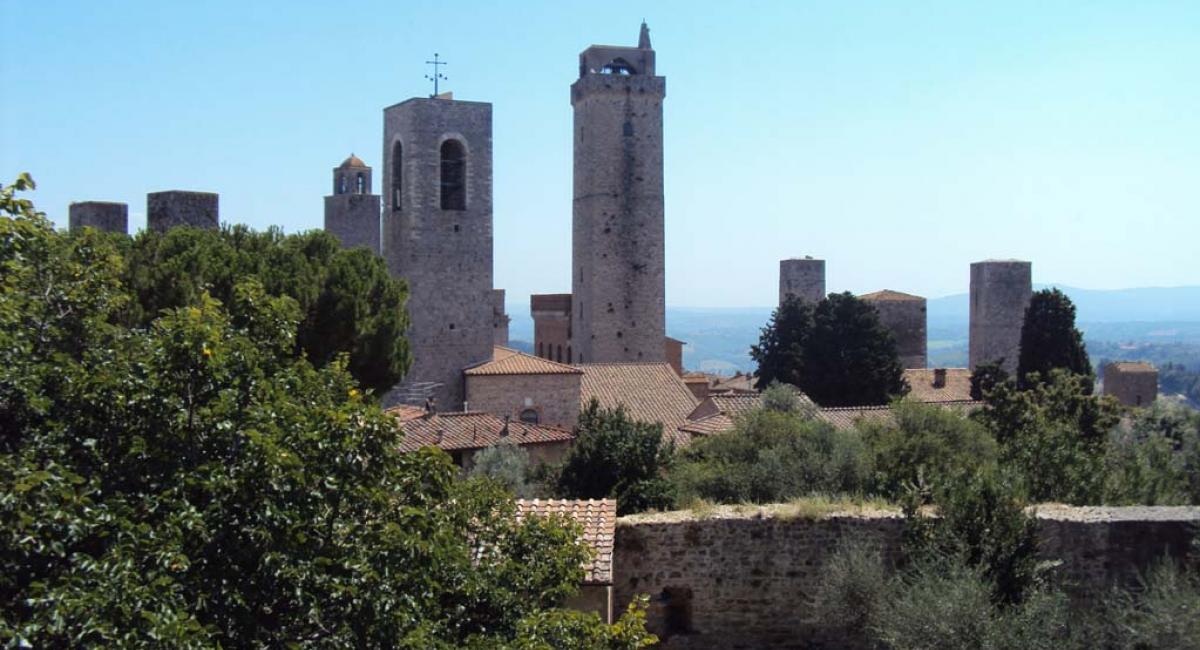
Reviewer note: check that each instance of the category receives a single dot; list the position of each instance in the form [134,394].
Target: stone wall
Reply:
[1132,384]
[904,316]
[552,326]
[166,210]
[354,220]
[1000,293]
[101,215]
[747,577]
[554,396]
[803,278]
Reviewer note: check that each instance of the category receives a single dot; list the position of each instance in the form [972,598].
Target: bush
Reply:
[850,592]
[771,457]
[506,464]
[924,444]
[1163,613]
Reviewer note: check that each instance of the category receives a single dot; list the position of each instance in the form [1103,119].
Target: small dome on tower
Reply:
[352,161]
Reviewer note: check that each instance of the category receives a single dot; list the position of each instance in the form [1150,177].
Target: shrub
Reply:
[506,464]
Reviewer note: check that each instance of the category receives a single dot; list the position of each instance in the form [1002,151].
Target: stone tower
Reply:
[904,316]
[1000,293]
[101,215]
[617,270]
[166,210]
[803,278]
[352,211]
[437,166]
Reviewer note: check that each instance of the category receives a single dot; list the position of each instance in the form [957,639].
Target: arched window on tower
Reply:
[454,176]
[341,184]
[360,184]
[529,416]
[397,175]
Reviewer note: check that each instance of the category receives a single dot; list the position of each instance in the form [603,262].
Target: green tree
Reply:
[192,483]
[348,302]
[617,457]
[839,354]
[780,350]
[507,464]
[1050,340]
[769,457]
[986,377]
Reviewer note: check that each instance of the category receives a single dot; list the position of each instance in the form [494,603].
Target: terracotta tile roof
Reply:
[707,426]
[506,361]
[846,417]
[888,294]
[650,392]
[1131,366]
[738,382]
[920,383]
[597,517]
[454,431]
[405,412]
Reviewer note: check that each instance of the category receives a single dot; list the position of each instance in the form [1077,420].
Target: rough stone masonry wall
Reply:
[1138,388]
[166,210]
[354,220]
[905,319]
[1000,294]
[803,278]
[101,215]
[752,575]
[554,396]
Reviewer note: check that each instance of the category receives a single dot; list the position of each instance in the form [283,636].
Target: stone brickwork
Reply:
[1000,293]
[904,315]
[166,210]
[554,396]
[352,211]
[438,234]
[101,215]
[673,349]
[552,326]
[748,577]
[803,278]
[1132,383]
[617,270]
[500,319]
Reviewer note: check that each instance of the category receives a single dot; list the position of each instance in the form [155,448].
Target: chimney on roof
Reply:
[939,377]
[430,406]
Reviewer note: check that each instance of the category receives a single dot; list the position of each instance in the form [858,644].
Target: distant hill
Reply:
[718,339]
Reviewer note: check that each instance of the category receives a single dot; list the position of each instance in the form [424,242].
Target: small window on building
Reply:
[529,416]
[341,184]
[360,184]
[397,175]
[454,176]
[569,354]
[559,354]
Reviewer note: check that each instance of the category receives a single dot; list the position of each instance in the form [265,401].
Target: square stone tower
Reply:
[101,215]
[903,315]
[352,211]
[437,234]
[1000,294]
[803,278]
[167,210]
[617,269]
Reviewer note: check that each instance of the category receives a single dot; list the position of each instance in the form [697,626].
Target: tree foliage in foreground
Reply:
[837,353]
[348,302]
[195,484]
[1050,340]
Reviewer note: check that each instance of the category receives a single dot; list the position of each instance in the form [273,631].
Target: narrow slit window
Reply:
[454,176]
[397,175]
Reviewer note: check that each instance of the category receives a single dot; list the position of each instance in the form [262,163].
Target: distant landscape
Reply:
[1156,324]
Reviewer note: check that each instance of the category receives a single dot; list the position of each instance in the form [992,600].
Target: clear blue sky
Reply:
[900,141]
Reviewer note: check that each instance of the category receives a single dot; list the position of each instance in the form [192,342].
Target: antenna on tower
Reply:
[437,75]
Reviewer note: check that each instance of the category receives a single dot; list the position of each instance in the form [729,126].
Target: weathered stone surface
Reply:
[352,211]
[166,210]
[1000,294]
[803,278]
[904,316]
[101,215]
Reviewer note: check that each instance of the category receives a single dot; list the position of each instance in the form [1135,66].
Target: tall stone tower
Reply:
[166,210]
[903,315]
[437,167]
[1000,293]
[352,211]
[617,270]
[101,215]
[803,278]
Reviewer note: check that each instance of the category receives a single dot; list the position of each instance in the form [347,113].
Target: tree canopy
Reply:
[1049,338]
[193,483]
[838,353]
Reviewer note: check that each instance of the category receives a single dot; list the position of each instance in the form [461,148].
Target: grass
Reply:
[812,507]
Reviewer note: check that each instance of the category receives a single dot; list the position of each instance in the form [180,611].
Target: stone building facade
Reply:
[437,234]
[904,315]
[617,270]
[1132,383]
[101,215]
[352,211]
[803,278]
[166,210]
[1000,294]
[525,388]
[500,319]
[552,326]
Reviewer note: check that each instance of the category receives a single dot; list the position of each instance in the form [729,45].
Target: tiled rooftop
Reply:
[920,383]
[597,517]
[650,392]
[1132,366]
[506,361]
[405,412]
[888,294]
[846,417]
[455,431]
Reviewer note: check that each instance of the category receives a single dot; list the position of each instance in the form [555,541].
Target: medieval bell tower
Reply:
[618,287]
[352,211]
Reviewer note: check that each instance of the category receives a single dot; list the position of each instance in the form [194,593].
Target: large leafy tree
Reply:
[617,457]
[1050,340]
[193,483]
[839,353]
[348,302]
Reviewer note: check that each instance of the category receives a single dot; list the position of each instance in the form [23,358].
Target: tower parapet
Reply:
[101,215]
[803,278]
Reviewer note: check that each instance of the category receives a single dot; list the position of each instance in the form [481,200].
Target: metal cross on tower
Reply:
[436,74]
